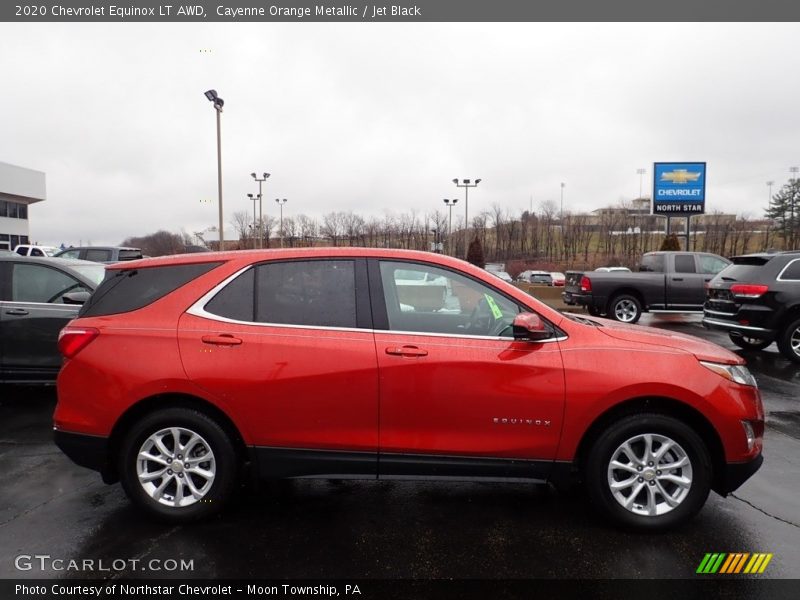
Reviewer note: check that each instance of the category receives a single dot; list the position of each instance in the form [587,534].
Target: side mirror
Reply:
[76,297]
[529,327]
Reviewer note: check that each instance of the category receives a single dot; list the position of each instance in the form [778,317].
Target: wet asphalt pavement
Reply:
[356,529]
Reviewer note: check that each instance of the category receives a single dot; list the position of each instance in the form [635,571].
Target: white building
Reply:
[19,188]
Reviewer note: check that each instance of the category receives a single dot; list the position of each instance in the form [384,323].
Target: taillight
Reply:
[586,284]
[72,340]
[748,290]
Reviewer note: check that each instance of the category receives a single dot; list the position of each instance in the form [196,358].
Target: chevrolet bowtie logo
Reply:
[680,176]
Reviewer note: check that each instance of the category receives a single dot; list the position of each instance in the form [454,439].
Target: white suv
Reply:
[31,250]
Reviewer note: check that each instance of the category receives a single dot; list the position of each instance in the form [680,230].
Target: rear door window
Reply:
[98,255]
[320,293]
[791,272]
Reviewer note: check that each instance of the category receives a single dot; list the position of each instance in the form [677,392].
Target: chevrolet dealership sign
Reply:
[679,189]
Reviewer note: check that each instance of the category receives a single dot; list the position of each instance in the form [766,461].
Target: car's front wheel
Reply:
[748,343]
[178,464]
[789,342]
[648,471]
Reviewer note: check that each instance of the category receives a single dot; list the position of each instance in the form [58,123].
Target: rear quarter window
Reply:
[131,289]
[791,272]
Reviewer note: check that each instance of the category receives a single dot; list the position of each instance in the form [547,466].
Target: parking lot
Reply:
[358,529]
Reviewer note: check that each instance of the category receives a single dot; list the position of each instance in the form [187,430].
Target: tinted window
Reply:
[440,301]
[235,301]
[131,289]
[711,265]
[318,293]
[792,271]
[684,263]
[98,255]
[130,254]
[652,262]
[36,283]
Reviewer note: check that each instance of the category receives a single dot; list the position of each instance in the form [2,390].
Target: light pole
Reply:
[281,202]
[450,204]
[466,184]
[264,177]
[793,171]
[255,223]
[561,218]
[641,173]
[218,104]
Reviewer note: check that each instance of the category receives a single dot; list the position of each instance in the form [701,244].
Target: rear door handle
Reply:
[410,351]
[19,312]
[677,279]
[224,339]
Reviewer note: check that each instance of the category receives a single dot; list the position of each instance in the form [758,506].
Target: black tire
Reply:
[625,308]
[748,343]
[222,461]
[789,341]
[607,445]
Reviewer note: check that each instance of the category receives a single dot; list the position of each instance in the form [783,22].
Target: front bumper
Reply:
[735,474]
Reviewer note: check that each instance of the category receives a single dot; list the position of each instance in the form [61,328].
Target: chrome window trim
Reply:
[51,305]
[198,310]
[780,275]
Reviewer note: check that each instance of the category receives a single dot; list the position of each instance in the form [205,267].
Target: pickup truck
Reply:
[666,282]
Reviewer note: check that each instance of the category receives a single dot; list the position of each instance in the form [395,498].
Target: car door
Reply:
[685,285]
[33,312]
[459,396]
[287,347]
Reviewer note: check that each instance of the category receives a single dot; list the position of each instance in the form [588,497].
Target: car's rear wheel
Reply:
[178,464]
[625,308]
[748,343]
[789,342]
[648,471]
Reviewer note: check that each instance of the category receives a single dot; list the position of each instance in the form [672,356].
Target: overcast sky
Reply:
[376,117]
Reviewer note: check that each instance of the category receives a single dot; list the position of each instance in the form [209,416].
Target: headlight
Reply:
[737,373]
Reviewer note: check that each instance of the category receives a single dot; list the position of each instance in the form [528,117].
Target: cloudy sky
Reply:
[377,117]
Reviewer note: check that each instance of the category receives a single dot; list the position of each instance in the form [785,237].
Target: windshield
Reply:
[94,273]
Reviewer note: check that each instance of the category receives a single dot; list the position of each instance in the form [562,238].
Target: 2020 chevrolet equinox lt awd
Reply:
[184,374]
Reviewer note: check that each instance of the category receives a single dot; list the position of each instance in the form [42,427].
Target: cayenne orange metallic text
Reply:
[183,375]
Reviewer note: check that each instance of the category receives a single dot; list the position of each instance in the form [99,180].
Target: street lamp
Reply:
[255,199]
[466,184]
[640,173]
[218,104]
[281,202]
[450,204]
[260,213]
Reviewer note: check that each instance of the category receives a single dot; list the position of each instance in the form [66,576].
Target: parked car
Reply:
[502,275]
[757,301]
[559,279]
[38,296]
[304,363]
[667,282]
[102,254]
[540,277]
[32,250]
[612,269]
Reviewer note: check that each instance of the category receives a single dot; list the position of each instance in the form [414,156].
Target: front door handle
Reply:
[677,279]
[19,312]
[410,351]
[223,339]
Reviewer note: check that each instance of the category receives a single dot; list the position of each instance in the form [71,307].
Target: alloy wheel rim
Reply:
[176,467]
[625,311]
[650,474]
[795,341]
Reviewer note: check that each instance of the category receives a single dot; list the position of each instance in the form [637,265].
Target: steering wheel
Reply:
[481,321]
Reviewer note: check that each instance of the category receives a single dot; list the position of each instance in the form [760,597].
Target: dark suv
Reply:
[757,301]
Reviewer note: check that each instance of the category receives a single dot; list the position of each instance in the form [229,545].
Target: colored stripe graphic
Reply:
[735,562]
